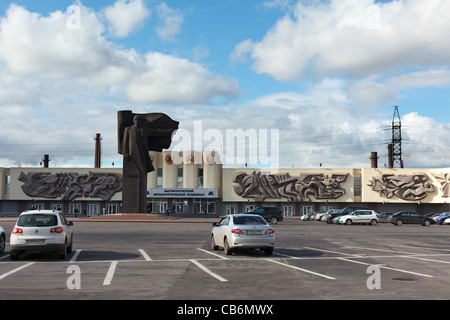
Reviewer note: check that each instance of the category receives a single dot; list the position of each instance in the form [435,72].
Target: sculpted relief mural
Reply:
[71,185]
[284,186]
[444,180]
[404,186]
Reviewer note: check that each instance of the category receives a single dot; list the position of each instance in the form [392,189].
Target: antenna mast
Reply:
[397,140]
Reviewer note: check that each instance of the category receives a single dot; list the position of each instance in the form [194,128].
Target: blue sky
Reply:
[325,74]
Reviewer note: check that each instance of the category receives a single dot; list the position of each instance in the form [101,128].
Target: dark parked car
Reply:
[270,214]
[342,212]
[405,217]
[2,240]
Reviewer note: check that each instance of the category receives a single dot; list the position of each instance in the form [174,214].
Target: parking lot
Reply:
[312,260]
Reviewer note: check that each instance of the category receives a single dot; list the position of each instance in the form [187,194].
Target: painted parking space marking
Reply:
[388,268]
[212,253]
[301,269]
[145,255]
[215,275]
[110,274]
[75,256]
[3,276]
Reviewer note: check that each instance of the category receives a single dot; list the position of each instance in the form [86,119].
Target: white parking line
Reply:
[214,254]
[301,269]
[75,256]
[3,276]
[145,255]
[110,274]
[388,268]
[215,275]
[4,257]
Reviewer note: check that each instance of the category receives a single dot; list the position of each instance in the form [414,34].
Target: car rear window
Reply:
[37,220]
[248,220]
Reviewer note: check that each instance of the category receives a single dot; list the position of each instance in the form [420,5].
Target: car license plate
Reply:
[35,241]
[253,233]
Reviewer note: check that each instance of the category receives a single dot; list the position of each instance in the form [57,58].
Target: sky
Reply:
[314,82]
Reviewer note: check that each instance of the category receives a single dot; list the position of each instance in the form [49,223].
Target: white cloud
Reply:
[174,80]
[356,38]
[170,22]
[126,16]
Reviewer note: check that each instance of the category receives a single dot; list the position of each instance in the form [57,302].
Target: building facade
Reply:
[196,184]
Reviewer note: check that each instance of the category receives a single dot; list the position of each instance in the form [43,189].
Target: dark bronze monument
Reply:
[137,135]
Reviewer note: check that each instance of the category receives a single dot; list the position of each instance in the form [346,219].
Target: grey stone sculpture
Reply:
[282,185]
[70,186]
[404,186]
[137,135]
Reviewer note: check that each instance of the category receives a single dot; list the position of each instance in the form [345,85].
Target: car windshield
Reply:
[37,220]
[248,220]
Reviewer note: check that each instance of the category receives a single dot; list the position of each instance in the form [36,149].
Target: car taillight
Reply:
[16,230]
[237,231]
[269,231]
[56,230]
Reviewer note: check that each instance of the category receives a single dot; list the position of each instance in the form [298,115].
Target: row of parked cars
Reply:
[354,215]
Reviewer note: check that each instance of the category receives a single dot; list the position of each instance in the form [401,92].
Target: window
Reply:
[112,208]
[159,179]
[249,220]
[180,178]
[37,220]
[7,184]
[249,207]
[307,209]
[74,208]
[93,209]
[230,209]
[202,205]
[357,190]
[288,211]
[200,177]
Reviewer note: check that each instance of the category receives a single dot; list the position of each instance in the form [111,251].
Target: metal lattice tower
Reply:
[397,140]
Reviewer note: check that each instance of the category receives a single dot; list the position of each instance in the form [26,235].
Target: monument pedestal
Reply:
[134,189]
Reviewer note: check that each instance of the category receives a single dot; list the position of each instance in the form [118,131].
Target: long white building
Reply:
[196,183]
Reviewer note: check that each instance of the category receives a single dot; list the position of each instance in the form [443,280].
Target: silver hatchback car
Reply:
[41,231]
[243,231]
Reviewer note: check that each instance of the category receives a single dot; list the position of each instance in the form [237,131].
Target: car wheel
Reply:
[213,243]
[398,222]
[63,254]
[2,243]
[268,251]
[426,223]
[273,220]
[69,248]
[348,222]
[373,222]
[226,247]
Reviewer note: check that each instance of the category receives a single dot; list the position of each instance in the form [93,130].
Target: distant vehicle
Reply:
[41,231]
[360,216]
[270,214]
[2,240]
[242,231]
[342,212]
[441,218]
[383,217]
[405,217]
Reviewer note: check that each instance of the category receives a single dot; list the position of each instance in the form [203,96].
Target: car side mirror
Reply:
[70,223]
[215,224]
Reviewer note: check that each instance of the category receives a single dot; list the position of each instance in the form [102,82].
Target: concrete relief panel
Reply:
[71,185]
[304,187]
[410,187]
[444,181]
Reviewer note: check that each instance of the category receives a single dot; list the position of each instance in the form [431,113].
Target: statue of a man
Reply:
[139,134]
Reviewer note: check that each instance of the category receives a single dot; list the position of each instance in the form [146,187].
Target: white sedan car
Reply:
[243,231]
[41,231]
[2,240]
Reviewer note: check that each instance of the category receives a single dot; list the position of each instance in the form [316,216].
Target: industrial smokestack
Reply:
[374,159]
[98,149]
[46,160]
[390,157]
